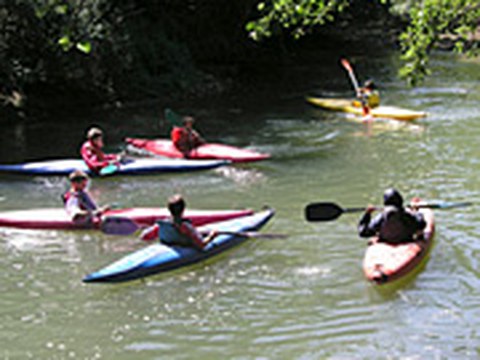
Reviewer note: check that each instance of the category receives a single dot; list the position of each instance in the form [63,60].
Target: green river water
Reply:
[304,297]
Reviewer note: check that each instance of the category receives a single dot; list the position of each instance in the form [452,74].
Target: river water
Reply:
[298,298]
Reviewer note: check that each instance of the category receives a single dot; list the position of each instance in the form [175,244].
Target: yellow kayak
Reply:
[352,106]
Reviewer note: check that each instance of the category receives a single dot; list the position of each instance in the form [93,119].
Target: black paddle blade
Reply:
[323,211]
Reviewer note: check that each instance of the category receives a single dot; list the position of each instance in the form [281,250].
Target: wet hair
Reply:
[176,205]
[393,198]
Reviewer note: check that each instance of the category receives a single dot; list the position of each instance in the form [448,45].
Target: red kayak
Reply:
[165,147]
[384,263]
[58,219]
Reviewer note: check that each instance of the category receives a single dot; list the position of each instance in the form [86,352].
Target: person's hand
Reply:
[105,208]
[211,235]
[414,204]
[370,208]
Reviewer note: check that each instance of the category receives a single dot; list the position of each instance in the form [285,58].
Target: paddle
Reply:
[109,170]
[173,118]
[328,211]
[116,225]
[351,73]
[253,234]
[113,167]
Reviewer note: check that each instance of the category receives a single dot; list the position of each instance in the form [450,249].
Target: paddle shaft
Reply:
[351,73]
[330,211]
[252,234]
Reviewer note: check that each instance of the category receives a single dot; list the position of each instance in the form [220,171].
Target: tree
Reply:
[427,22]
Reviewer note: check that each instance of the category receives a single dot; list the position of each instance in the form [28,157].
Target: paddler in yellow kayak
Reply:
[369,98]
[369,94]
[394,224]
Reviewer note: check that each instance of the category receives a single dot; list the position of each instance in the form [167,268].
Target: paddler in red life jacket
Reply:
[395,224]
[177,230]
[185,138]
[93,154]
[369,97]
[78,204]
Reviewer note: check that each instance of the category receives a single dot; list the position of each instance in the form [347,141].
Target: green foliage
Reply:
[295,16]
[428,21]
[112,49]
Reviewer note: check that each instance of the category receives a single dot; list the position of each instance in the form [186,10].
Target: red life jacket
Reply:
[68,195]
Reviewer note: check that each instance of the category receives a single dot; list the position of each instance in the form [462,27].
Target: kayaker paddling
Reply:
[92,152]
[177,230]
[78,203]
[369,98]
[395,224]
[185,138]
[369,94]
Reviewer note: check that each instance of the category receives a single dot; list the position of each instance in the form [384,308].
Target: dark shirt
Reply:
[393,225]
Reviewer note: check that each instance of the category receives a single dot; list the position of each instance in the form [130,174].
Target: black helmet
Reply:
[392,197]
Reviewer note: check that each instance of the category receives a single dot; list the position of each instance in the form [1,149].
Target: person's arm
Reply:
[419,219]
[192,233]
[197,138]
[91,159]
[150,233]
[368,227]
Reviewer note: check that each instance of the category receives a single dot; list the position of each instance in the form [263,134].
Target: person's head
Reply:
[188,121]
[176,205]
[95,135]
[370,85]
[78,180]
[391,197]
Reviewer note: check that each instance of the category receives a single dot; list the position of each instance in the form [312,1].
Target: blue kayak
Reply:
[158,257]
[130,167]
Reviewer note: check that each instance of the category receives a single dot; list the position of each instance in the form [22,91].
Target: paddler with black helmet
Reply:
[394,224]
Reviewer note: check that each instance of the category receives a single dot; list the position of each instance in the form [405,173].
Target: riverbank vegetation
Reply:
[94,52]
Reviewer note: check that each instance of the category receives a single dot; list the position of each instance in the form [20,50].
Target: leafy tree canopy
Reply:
[427,22]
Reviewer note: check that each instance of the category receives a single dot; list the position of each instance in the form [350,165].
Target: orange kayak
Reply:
[385,263]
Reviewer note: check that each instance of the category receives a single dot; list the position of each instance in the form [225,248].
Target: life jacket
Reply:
[372,98]
[170,234]
[180,139]
[185,140]
[66,196]
[69,194]
[88,146]
[397,225]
